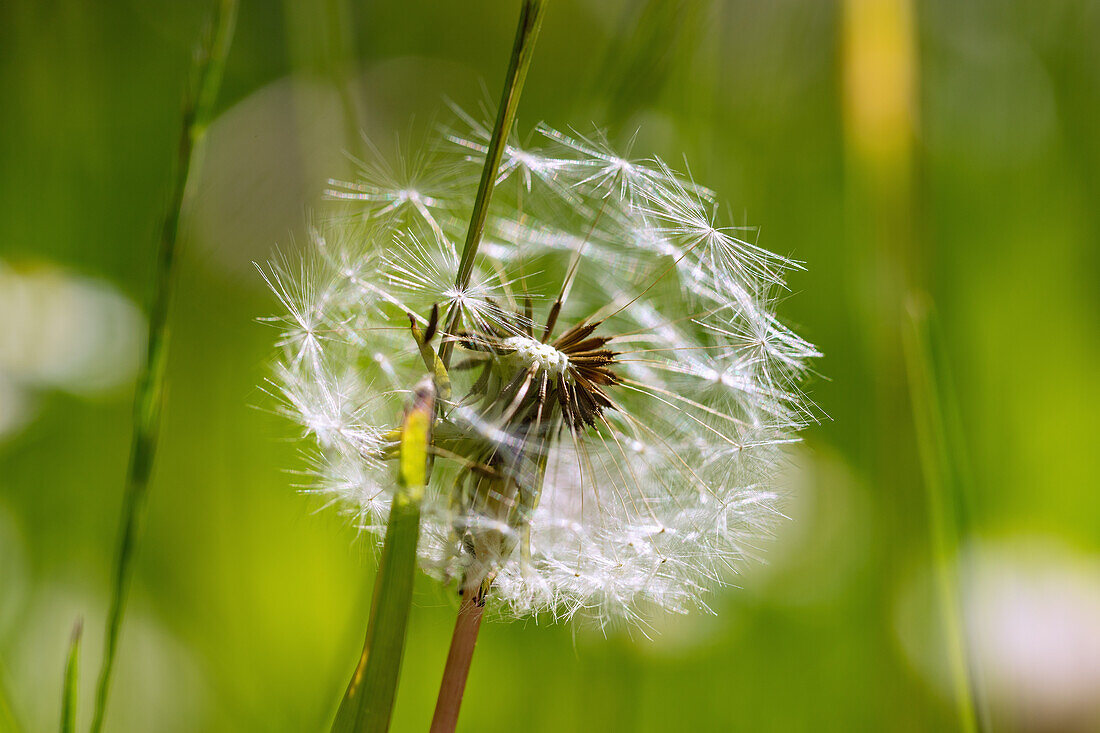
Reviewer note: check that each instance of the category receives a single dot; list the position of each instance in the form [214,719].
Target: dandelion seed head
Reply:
[621,389]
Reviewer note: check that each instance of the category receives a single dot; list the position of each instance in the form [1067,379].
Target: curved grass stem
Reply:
[368,703]
[68,694]
[945,493]
[468,623]
[207,70]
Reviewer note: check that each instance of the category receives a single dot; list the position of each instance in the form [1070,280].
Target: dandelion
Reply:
[620,391]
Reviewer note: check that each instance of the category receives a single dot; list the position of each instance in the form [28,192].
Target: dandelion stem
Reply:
[530,20]
[368,702]
[943,488]
[457,669]
[468,622]
[207,70]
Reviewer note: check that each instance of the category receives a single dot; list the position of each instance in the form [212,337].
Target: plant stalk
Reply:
[530,20]
[206,74]
[944,492]
[457,669]
[368,701]
[68,695]
[367,706]
[468,622]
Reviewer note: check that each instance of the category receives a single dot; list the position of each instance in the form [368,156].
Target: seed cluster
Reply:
[537,355]
[621,389]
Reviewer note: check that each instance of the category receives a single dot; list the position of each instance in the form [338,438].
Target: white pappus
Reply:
[621,389]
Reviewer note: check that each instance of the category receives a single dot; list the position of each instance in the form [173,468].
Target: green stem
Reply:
[207,70]
[468,622]
[368,702]
[944,492]
[367,706]
[530,20]
[68,695]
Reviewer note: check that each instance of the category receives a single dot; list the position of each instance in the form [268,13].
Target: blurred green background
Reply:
[892,145]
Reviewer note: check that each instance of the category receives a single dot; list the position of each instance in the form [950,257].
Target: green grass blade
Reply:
[68,695]
[368,703]
[941,466]
[527,31]
[207,71]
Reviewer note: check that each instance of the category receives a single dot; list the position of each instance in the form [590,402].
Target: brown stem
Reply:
[457,668]
[468,622]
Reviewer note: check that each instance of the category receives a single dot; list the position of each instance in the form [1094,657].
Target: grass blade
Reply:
[368,703]
[207,70]
[941,465]
[527,31]
[468,622]
[68,695]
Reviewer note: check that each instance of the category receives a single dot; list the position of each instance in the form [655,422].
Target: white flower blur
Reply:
[621,388]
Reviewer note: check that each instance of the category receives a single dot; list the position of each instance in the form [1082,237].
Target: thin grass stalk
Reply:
[962,509]
[944,494]
[72,667]
[207,70]
[530,21]
[367,706]
[468,621]
[368,702]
